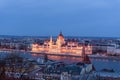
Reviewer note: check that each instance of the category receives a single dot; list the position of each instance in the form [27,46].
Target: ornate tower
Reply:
[50,43]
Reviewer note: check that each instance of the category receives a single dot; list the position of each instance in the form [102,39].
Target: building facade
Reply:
[61,46]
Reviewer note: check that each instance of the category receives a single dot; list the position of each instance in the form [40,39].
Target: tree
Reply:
[16,64]
[2,70]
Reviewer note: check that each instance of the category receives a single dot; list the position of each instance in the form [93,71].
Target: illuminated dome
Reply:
[60,39]
[60,36]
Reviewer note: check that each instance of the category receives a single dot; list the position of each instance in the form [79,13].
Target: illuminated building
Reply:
[61,46]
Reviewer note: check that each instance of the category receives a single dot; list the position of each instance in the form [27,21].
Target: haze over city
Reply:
[49,17]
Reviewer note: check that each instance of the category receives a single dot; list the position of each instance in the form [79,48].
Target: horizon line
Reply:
[64,36]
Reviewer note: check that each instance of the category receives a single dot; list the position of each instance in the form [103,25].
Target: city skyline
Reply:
[74,18]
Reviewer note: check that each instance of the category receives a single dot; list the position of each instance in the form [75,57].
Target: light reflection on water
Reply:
[66,59]
[99,64]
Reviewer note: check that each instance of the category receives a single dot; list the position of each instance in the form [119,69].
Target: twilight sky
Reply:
[49,17]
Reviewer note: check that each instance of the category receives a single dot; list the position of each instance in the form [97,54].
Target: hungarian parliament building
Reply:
[60,46]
